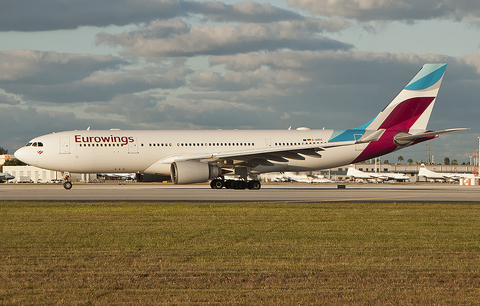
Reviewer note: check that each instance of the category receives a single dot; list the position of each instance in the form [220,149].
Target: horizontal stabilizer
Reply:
[427,134]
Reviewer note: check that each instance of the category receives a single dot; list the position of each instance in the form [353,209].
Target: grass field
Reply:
[239,253]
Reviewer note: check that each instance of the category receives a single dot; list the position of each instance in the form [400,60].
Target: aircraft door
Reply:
[268,142]
[65,145]
[133,146]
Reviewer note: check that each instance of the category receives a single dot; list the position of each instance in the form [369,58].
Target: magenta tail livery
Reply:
[198,156]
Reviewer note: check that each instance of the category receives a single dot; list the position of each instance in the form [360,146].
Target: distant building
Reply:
[31,174]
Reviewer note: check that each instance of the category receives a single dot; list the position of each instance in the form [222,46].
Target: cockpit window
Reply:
[34,144]
[28,144]
[40,144]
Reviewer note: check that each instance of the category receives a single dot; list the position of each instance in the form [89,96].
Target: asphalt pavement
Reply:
[287,192]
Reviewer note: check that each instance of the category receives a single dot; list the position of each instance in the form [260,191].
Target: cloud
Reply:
[249,12]
[259,84]
[49,67]
[48,15]
[175,38]
[65,78]
[351,86]
[135,108]
[101,86]
[389,10]
[8,99]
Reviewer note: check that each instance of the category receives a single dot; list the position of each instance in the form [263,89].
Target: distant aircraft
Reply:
[303,178]
[299,178]
[372,176]
[442,176]
[197,156]
[5,177]
[116,176]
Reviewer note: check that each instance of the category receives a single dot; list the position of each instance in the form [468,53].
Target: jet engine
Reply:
[188,172]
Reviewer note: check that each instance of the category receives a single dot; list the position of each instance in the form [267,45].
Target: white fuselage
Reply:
[120,151]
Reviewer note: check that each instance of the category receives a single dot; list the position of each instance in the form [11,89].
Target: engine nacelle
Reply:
[188,172]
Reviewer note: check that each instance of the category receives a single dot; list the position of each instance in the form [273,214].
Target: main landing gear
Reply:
[235,184]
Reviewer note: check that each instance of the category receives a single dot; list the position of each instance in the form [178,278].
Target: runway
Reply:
[269,193]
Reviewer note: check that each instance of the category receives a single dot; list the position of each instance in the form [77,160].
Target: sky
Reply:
[185,64]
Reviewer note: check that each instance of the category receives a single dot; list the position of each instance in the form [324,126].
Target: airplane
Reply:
[303,178]
[197,156]
[5,177]
[116,176]
[291,177]
[442,176]
[384,176]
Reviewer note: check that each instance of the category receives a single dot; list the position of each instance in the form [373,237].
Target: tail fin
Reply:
[404,121]
[410,110]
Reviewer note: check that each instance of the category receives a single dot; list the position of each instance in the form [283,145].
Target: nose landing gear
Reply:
[67,184]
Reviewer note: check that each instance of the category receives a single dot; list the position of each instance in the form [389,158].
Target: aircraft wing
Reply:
[253,157]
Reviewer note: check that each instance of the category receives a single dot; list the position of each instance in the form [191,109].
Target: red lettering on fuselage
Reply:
[105,139]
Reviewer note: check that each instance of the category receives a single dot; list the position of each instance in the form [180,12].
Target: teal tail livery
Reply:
[226,158]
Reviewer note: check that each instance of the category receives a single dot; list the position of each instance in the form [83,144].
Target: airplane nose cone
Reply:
[20,154]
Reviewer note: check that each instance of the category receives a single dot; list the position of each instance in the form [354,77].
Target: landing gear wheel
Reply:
[235,184]
[230,184]
[216,184]
[240,185]
[67,185]
[254,185]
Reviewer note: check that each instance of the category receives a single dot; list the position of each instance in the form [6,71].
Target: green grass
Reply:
[239,253]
